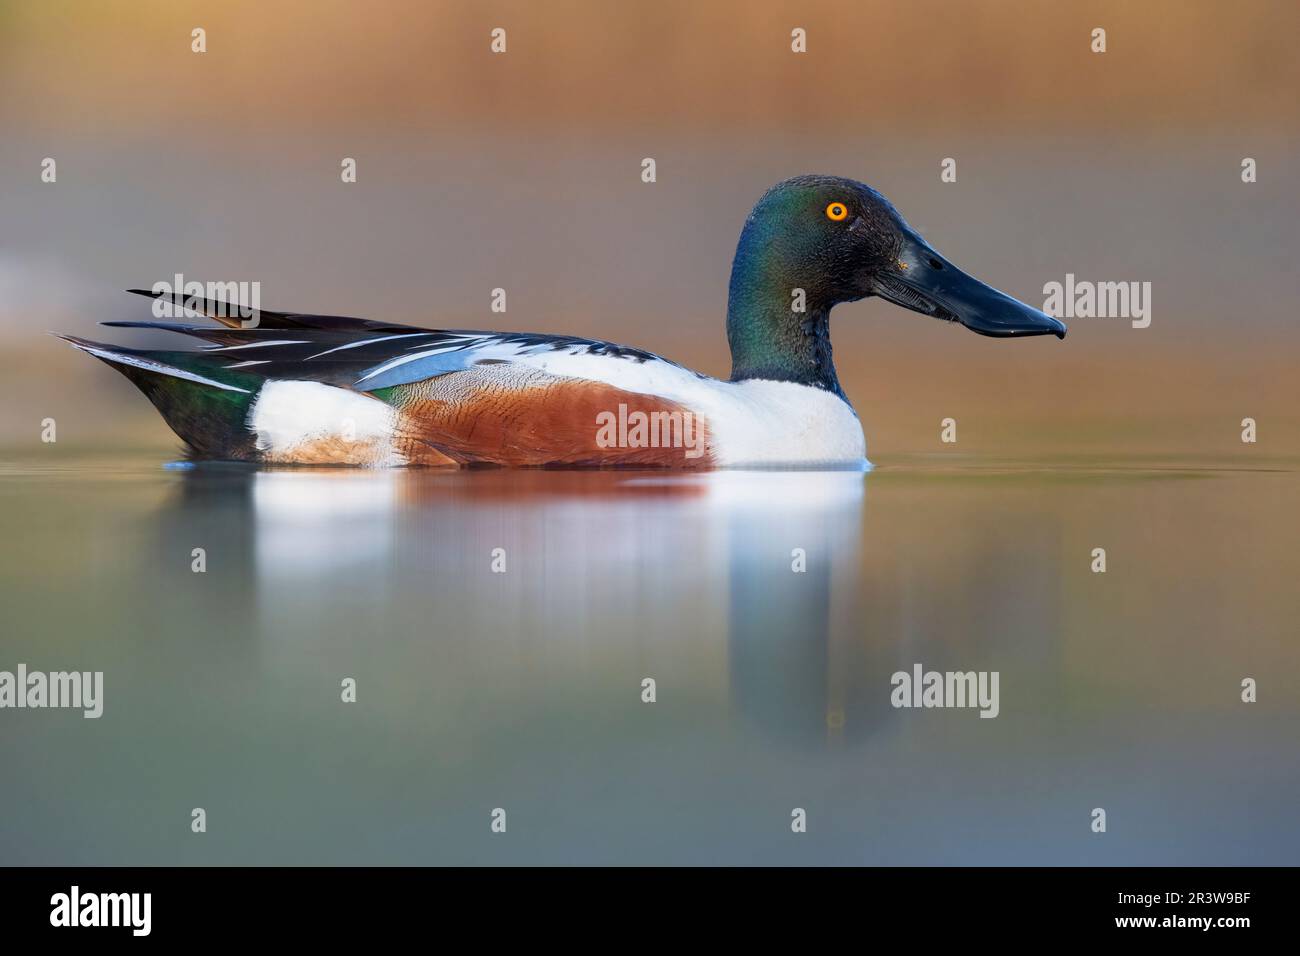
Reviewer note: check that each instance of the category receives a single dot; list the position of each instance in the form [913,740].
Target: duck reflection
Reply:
[742,584]
[793,542]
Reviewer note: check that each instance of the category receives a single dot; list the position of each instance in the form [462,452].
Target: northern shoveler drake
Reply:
[286,388]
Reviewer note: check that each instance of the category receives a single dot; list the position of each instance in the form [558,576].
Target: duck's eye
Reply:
[837,211]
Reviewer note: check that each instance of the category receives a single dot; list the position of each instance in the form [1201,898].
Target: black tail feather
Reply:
[237,316]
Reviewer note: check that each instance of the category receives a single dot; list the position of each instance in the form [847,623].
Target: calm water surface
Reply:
[522,690]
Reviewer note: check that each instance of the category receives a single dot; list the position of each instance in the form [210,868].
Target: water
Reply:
[522,690]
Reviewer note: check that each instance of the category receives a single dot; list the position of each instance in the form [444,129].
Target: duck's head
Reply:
[814,241]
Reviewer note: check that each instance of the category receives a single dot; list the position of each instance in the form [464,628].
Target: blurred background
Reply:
[522,171]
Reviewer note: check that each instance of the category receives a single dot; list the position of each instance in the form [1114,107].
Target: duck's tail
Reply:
[202,401]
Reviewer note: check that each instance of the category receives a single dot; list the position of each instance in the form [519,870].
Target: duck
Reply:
[286,388]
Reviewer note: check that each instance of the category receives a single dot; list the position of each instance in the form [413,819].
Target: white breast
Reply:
[760,422]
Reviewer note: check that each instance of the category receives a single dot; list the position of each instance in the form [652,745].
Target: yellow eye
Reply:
[836,211]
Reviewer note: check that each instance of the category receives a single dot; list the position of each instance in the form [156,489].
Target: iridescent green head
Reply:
[813,242]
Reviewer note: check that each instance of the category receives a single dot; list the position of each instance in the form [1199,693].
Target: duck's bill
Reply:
[926,282]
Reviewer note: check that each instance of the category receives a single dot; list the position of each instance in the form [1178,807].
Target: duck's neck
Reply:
[768,338]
